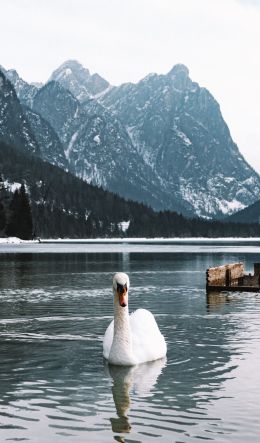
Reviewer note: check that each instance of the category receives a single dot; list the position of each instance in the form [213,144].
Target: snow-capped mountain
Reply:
[27,130]
[14,126]
[98,147]
[25,91]
[178,129]
[78,80]
[162,141]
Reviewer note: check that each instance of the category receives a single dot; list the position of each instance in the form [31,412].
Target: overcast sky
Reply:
[124,40]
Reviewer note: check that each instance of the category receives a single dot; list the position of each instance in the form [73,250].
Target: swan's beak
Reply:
[122,295]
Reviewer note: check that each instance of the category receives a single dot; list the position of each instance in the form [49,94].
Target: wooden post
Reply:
[228,277]
[257,268]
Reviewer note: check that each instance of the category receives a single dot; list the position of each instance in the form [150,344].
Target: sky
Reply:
[124,40]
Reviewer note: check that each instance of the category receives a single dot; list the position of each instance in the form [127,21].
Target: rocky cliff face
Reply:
[162,141]
[178,129]
[98,147]
[50,146]
[24,91]
[14,126]
[27,130]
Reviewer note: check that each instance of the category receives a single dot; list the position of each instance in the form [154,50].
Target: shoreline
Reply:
[131,240]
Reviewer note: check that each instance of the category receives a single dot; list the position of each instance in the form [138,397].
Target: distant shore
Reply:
[16,240]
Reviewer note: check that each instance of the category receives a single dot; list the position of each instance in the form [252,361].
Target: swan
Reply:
[131,340]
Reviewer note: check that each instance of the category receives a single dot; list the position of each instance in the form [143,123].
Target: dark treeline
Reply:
[169,224]
[15,213]
[62,205]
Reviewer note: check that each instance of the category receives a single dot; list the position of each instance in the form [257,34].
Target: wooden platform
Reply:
[232,277]
[234,288]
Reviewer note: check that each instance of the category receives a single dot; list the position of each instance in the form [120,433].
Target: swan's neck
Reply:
[122,325]
[121,349]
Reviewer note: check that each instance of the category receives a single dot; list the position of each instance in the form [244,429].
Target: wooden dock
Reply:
[232,277]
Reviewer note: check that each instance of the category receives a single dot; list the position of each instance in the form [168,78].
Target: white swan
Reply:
[134,339]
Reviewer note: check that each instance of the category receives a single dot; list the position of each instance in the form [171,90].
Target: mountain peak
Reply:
[69,69]
[179,69]
[179,76]
[78,80]
[13,72]
[73,64]
[6,85]
[14,127]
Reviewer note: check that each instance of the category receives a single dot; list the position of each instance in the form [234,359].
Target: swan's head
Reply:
[121,286]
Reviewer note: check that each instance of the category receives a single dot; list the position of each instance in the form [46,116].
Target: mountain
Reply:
[251,214]
[98,147]
[162,141]
[51,148]
[27,130]
[178,129]
[14,126]
[78,80]
[57,203]
[59,107]
[25,91]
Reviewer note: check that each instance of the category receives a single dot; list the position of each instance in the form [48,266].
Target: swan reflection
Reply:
[140,380]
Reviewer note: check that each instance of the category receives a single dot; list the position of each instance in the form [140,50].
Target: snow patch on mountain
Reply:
[71,144]
[103,93]
[95,176]
[206,202]
[183,137]
[229,207]
[97,139]
[12,186]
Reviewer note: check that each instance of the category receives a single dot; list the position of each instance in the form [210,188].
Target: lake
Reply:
[55,305]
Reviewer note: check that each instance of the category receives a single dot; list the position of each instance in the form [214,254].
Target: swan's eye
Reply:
[121,289]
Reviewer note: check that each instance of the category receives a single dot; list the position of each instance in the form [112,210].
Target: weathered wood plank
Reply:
[225,275]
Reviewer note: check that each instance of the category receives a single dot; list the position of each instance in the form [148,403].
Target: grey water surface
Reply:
[55,305]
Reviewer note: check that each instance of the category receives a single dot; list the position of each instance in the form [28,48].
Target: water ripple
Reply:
[54,311]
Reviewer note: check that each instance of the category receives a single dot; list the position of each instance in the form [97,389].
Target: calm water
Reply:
[54,384]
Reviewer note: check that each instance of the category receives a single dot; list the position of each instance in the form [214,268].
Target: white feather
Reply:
[146,341]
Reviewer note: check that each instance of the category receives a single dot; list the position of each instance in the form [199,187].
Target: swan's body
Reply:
[134,339]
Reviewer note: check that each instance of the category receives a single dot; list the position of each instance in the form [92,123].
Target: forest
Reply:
[52,203]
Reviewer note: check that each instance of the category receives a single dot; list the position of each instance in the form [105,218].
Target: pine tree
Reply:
[2,217]
[2,206]
[20,217]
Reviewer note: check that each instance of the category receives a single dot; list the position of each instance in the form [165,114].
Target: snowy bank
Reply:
[151,240]
[15,240]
